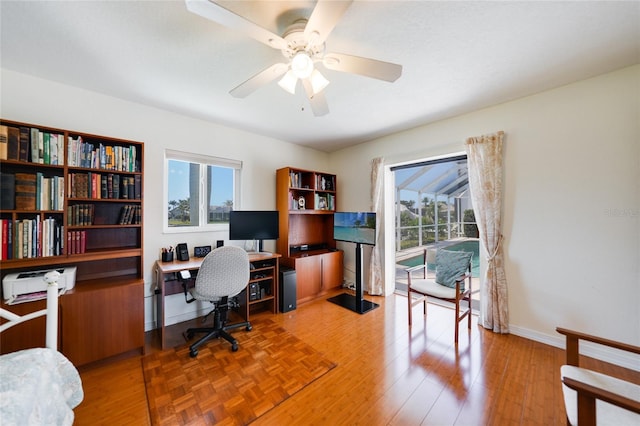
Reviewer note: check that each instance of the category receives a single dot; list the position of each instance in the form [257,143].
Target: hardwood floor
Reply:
[386,374]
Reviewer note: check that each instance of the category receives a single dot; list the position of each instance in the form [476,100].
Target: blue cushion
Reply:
[450,265]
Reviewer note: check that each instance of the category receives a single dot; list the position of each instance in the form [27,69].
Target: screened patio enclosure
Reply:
[432,203]
[433,209]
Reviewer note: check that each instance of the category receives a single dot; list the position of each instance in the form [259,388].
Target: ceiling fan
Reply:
[303,46]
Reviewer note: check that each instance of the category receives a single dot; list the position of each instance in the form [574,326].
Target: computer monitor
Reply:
[257,225]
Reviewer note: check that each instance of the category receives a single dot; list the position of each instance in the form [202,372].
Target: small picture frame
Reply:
[322,203]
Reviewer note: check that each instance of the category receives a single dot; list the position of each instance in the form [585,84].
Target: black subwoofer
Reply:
[287,289]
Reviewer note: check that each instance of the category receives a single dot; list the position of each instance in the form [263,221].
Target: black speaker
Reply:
[219,243]
[182,252]
[287,289]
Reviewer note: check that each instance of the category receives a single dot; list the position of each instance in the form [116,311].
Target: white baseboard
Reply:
[610,355]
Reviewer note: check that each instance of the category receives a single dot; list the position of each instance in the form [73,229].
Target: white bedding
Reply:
[38,387]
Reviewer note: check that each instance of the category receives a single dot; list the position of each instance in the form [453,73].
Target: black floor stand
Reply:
[355,303]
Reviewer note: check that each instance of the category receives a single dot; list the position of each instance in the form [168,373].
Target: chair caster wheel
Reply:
[234,347]
[193,353]
[249,328]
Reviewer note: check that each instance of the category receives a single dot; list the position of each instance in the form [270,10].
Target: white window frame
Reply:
[204,161]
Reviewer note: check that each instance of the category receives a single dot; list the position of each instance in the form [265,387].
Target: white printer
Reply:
[30,285]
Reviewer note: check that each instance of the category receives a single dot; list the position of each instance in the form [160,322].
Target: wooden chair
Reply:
[452,269]
[592,398]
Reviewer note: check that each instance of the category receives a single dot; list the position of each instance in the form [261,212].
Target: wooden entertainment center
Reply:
[307,201]
[89,191]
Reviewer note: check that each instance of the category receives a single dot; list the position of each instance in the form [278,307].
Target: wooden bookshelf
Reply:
[306,233]
[86,212]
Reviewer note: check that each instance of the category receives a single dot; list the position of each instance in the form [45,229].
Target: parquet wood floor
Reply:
[386,374]
[224,387]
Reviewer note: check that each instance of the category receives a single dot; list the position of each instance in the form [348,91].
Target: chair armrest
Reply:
[463,277]
[416,268]
[587,395]
[573,338]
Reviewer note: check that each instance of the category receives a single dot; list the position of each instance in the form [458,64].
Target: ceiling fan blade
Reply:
[318,101]
[214,12]
[363,66]
[323,19]
[265,76]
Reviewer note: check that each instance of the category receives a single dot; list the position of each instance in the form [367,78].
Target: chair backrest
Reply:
[224,272]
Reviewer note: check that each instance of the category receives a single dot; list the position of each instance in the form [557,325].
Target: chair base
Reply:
[214,333]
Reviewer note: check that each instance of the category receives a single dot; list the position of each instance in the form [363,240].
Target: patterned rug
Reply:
[224,387]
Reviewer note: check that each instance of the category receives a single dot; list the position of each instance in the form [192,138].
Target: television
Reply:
[355,227]
[256,225]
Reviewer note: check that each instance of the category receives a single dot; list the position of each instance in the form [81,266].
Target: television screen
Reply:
[355,227]
[253,225]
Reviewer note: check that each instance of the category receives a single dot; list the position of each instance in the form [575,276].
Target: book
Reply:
[61,150]
[46,154]
[7,191]
[130,187]
[35,153]
[4,142]
[116,186]
[137,187]
[25,191]
[53,149]
[13,140]
[25,146]
[41,148]
[104,187]
[4,229]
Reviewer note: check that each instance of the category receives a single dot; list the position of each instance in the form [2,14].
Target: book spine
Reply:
[25,191]
[7,191]
[13,143]
[4,254]
[35,156]
[4,142]
[25,147]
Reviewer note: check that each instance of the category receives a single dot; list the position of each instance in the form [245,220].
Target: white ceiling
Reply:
[457,57]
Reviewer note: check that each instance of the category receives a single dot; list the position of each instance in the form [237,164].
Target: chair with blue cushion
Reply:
[224,273]
[452,272]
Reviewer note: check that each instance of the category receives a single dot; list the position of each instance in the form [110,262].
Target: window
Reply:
[432,202]
[199,191]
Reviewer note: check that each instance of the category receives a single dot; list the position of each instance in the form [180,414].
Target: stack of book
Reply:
[99,156]
[28,238]
[31,145]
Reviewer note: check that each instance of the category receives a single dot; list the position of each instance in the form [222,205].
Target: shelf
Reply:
[264,299]
[33,165]
[310,211]
[116,226]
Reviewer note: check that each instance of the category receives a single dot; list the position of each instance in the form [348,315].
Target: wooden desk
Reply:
[264,274]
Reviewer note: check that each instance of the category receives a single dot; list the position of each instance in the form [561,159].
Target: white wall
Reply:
[571,201]
[41,102]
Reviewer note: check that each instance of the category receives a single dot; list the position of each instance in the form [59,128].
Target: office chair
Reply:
[224,273]
[452,269]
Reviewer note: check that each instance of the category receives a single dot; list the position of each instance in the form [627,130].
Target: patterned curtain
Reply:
[484,156]
[376,281]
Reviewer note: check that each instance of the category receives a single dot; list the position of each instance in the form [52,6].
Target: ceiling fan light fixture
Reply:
[302,65]
[318,82]
[288,82]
